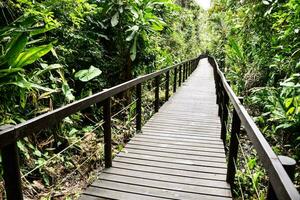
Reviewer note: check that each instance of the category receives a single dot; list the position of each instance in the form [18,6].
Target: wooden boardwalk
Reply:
[179,155]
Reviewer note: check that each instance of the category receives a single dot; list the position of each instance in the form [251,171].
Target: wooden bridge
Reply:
[178,154]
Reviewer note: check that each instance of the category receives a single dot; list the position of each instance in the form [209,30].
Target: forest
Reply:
[55,52]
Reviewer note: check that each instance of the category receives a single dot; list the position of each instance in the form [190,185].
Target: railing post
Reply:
[11,172]
[139,107]
[220,99]
[175,80]
[224,115]
[216,76]
[289,164]
[186,70]
[220,92]
[194,65]
[180,73]
[183,72]
[167,85]
[233,147]
[107,132]
[156,103]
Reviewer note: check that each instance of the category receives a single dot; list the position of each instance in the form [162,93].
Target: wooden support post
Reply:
[289,164]
[11,172]
[218,90]
[224,116]
[167,85]
[156,103]
[194,66]
[216,86]
[107,132]
[180,74]
[183,72]
[175,80]
[234,146]
[220,99]
[138,107]
[186,70]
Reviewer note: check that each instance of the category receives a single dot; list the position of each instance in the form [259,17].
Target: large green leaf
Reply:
[25,84]
[31,55]
[16,46]
[47,68]
[6,72]
[133,30]
[115,19]
[67,91]
[88,74]
[133,49]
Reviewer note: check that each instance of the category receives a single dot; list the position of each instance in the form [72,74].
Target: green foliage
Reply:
[88,74]
[57,51]
[281,112]
[257,44]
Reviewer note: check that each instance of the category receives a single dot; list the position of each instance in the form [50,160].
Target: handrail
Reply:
[43,121]
[9,136]
[281,182]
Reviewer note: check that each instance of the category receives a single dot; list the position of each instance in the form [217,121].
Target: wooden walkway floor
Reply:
[179,155]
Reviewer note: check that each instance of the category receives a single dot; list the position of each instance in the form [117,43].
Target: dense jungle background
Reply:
[54,52]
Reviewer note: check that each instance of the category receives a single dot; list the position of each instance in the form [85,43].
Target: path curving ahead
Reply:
[179,155]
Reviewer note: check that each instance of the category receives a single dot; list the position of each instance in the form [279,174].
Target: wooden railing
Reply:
[280,182]
[9,136]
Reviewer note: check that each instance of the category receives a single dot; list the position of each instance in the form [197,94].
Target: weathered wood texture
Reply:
[178,155]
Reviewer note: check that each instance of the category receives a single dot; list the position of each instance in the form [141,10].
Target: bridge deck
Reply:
[179,155]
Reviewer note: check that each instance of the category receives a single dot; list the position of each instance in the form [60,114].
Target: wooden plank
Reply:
[214,134]
[179,143]
[151,191]
[183,133]
[147,144]
[174,155]
[184,122]
[170,165]
[182,136]
[115,194]
[177,151]
[186,116]
[163,185]
[168,178]
[168,171]
[207,130]
[175,139]
[199,124]
[183,159]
